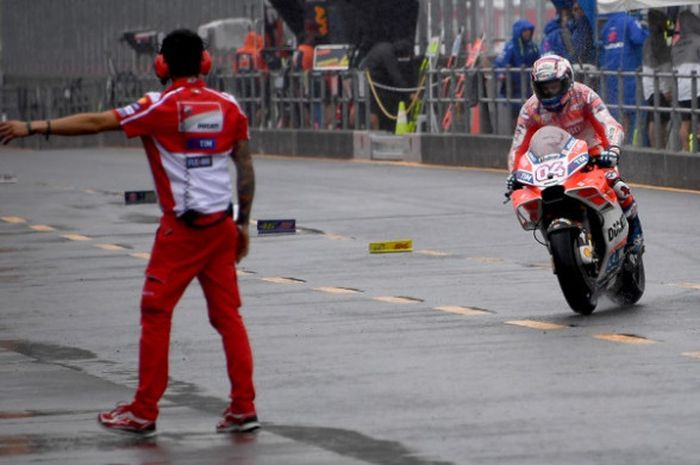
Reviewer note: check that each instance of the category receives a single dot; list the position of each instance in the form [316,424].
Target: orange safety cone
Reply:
[476,120]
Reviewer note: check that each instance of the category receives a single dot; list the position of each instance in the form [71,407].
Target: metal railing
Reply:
[492,91]
[484,100]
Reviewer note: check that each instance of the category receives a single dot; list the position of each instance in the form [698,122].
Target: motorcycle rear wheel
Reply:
[573,280]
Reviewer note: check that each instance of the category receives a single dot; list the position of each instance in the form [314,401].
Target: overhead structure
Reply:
[611,6]
[225,34]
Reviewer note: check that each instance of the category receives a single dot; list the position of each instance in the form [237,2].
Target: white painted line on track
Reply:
[390,299]
[694,286]
[624,338]
[282,280]
[459,310]
[42,227]
[543,325]
[13,219]
[75,237]
[338,290]
[110,247]
[432,253]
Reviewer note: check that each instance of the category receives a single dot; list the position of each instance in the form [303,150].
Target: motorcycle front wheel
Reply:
[573,280]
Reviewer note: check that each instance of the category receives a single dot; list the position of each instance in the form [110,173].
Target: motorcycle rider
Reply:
[576,108]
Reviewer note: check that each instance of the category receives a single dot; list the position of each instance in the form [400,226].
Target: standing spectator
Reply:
[303,61]
[384,64]
[582,36]
[622,38]
[557,30]
[520,51]
[686,59]
[657,59]
[557,36]
[250,69]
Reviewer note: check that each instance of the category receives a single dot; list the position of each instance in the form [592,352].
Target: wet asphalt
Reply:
[460,352]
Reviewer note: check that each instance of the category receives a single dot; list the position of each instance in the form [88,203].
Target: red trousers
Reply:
[181,253]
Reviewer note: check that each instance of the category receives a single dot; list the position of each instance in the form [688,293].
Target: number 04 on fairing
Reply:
[568,199]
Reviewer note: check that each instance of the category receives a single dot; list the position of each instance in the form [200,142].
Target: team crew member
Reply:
[577,109]
[188,132]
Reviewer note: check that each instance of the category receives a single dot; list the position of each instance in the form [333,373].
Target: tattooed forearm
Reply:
[245,181]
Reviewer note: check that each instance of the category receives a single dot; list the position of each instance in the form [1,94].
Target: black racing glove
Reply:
[512,183]
[610,157]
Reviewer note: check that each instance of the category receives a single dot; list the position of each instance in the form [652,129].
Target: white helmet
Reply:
[548,69]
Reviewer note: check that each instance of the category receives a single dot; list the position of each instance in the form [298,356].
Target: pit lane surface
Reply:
[463,351]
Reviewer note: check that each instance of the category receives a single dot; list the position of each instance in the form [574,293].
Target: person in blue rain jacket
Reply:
[521,50]
[582,36]
[622,39]
[557,38]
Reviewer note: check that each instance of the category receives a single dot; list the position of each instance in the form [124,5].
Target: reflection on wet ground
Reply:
[167,444]
[46,352]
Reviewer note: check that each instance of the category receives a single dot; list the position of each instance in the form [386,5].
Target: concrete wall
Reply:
[305,143]
[461,150]
[642,166]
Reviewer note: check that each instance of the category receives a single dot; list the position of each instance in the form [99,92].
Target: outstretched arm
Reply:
[245,181]
[73,125]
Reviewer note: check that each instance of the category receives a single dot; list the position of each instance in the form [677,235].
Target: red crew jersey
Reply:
[188,132]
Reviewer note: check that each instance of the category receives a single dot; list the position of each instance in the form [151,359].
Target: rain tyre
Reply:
[573,281]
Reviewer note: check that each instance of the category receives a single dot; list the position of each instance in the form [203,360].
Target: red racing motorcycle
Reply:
[566,197]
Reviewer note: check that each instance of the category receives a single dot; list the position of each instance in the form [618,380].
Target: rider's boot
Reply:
[635,237]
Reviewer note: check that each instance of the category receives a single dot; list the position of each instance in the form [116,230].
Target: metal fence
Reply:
[658,119]
[450,101]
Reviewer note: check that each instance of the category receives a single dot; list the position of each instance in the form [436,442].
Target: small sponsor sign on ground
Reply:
[277,226]
[139,197]
[391,246]
[7,178]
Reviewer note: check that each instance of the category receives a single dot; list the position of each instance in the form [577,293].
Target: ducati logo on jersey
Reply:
[196,117]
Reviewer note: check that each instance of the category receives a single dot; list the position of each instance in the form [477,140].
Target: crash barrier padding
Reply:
[638,165]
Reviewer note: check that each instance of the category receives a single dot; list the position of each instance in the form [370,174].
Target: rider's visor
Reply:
[550,88]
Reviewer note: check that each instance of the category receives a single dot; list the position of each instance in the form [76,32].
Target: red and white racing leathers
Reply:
[189,132]
[584,116]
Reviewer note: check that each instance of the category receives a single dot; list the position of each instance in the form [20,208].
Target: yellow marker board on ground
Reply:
[391,246]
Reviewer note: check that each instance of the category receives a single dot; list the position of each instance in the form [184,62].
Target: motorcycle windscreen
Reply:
[550,141]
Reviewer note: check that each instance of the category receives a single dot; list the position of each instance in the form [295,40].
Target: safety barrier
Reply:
[491,96]
[454,101]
